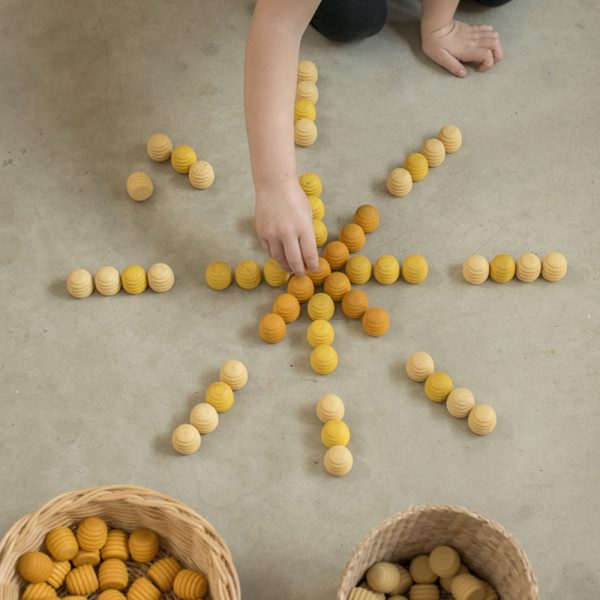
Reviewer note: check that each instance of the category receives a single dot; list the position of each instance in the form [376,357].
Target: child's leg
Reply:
[348,20]
[493,2]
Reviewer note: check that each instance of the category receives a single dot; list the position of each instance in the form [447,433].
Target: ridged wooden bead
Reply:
[201,175]
[61,543]
[190,585]
[320,306]
[490,592]
[143,589]
[424,591]
[113,575]
[304,109]
[338,461]
[320,231]
[554,266]
[476,269]
[71,597]
[218,275]
[415,269]
[302,287]
[482,419]
[502,268]
[163,572]
[271,328]
[221,396]
[446,582]
[139,186]
[361,593]
[86,557]
[399,182]
[459,404]
[39,591]
[467,587]
[335,433]
[437,388]
[307,71]
[35,567]
[330,407]
[80,284]
[352,236]
[386,269]
[311,184]
[354,304]
[307,90]
[204,417]
[451,137]
[317,207]
[336,253]
[403,585]
[82,580]
[161,277]
[323,359]
[59,572]
[116,545]
[133,279]
[420,571]
[444,561]
[318,276]
[416,165]
[143,544]
[234,373]
[247,274]
[92,533]
[529,267]
[186,439]
[182,158]
[336,285]
[367,217]
[287,306]
[435,153]
[159,147]
[358,269]
[107,281]
[305,132]
[376,321]
[419,366]
[320,332]
[274,275]
[105,595]
[383,577]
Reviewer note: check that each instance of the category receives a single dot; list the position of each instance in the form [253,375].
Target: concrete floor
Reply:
[92,389]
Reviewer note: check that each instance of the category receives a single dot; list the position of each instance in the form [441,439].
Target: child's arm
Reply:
[283,214]
[451,43]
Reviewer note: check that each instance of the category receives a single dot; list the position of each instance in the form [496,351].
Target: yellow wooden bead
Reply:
[182,158]
[338,461]
[386,269]
[39,591]
[415,269]
[92,533]
[80,284]
[302,287]
[416,165]
[467,587]
[113,575]
[336,285]
[139,186]
[274,275]
[438,386]
[320,306]
[335,433]
[163,572]
[220,396]
[330,407]
[424,591]
[308,90]
[82,580]
[354,304]
[323,359]
[61,543]
[444,561]
[307,71]
[144,544]
[376,321]
[186,439]
[201,175]
[190,585]
[59,573]
[451,137]
[399,182]
[502,268]
[247,274]
[420,570]
[554,266]
[272,328]
[304,109]
[218,275]
[305,132]
[435,153]
[318,277]
[116,545]
[419,366]
[353,236]
[482,419]
[107,281]
[133,279]
[528,268]
[321,234]
[311,184]
[362,593]
[320,332]
[161,277]
[358,269]
[143,589]
[159,147]
[336,253]
[446,582]
[86,557]
[287,307]
[105,595]
[367,217]
[383,577]
[35,567]
[476,269]
[317,207]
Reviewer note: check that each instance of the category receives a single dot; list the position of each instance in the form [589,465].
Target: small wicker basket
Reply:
[487,549]
[183,533]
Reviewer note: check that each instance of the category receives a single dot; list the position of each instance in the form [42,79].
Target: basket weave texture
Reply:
[183,533]
[486,548]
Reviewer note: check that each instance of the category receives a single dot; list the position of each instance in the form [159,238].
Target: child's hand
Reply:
[284,227]
[458,43]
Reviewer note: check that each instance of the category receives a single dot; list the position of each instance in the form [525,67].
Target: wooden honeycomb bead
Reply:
[420,571]
[201,175]
[287,306]
[307,71]
[113,575]
[234,373]
[190,585]
[271,328]
[444,561]
[305,133]
[182,158]
[318,276]
[159,147]
[415,269]
[321,306]
[186,439]
[86,557]
[35,567]
[307,90]
[386,269]
[376,321]
[451,137]
[404,583]
[476,269]
[352,236]
[247,274]
[144,543]
[321,233]
[317,207]
[419,366]
[59,572]
[301,287]
[367,217]
[383,577]
[323,359]
[330,407]
[61,543]
[134,279]
[554,266]
[399,182]
[338,461]
[416,165]
[39,591]
[92,533]
[335,433]
[107,281]
[105,595]
[437,388]
[434,151]
[320,332]
[160,277]
[446,582]
[502,268]
[218,275]
[71,597]
[139,186]
[143,589]
[424,591]
[467,587]
[163,572]
[336,285]
[311,184]
[204,417]
[490,592]
[274,275]
[116,545]
[80,284]
[482,419]
[221,397]
[361,593]
[459,403]
[354,304]
[358,269]
[304,109]
[529,267]
[82,580]
[336,253]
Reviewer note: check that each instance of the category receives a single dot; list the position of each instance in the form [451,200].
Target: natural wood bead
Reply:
[59,573]
[353,236]
[61,543]
[446,582]
[321,306]
[320,332]
[336,253]
[404,583]
[112,574]
[287,306]
[143,544]
[554,266]
[386,269]
[335,432]
[490,592]
[367,217]
[360,593]
[186,439]
[529,267]
[459,404]
[163,572]
[302,287]
[220,396]
[160,277]
[201,175]
[116,545]
[383,577]
[159,147]
[338,461]
[107,281]
[476,269]
[271,328]
[437,388]
[323,359]
[399,182]
[318,276]
[218,275]
[467,587]
[274,275]
[416,165]
[304,109]
[482,419]
[311,184]
[420,570]
[444,561]
[92,533]
[376,321]
[308,90]
[35,567]
[234,373]
[435,153]
[424,591]
[415,269]
[182,158]
[330,407]
[134,279]
[451,137]
[358,269]
[82,580]
[419,366]
[190,585]
[354,304]
[305,132]
[320,231]
[336,285]
[143,589]
[139,186]
[307,71]
[204,417]
[247,274]
[502,268]
[80,284]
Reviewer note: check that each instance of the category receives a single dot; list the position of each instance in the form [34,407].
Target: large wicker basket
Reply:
[183,533]
[487,549]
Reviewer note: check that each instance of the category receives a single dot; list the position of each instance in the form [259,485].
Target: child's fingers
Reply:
[276,252]
[294,256]
[309,250]
[484,27]
[485,58]
[446,60]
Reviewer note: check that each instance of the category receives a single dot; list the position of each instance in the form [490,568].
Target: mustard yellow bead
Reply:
[143,589]
[321,233]
[318,277]
[59,573]
[320,332]
[287,307]
[415,269]
[438,386]
[317,207]
[39,591]
[113,575]
[274,275]
[502,268]
[271,328]
[311,184]
[221,397]
[323,359]
[116,545]
[134,280]
[218,275]
[105,595]
[92,533]
[247,274]
[386,269]
[82,580]
[435,153]
[190,585]
[163,572]
[358,269]
[61,543]
[335,433]
[35,567]
[143,542]
[416,164]
[320,306]
[304,109]
[86,557]
[336,285]
[451,137]
[367,217]
[182,158]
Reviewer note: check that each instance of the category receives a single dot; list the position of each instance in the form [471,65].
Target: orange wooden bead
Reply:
[353,236]
[376,321]
[336,253]
[336,285]
[318,276]
[354,304]
[302,287]
[287,307]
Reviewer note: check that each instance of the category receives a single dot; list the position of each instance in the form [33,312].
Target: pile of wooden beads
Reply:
[416,165]
[204,417]
[425,577]
[305,113]
[460,402]
[502,268]
[108,281]
[335,435]
[93,560]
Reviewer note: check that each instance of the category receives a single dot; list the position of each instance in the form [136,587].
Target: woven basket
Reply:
[183,533]
[487,549]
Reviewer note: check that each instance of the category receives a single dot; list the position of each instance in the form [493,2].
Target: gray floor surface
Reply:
[92,389]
